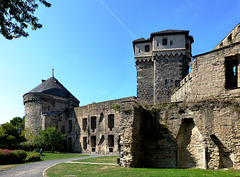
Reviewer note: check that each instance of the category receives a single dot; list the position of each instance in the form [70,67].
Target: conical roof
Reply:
[52,87]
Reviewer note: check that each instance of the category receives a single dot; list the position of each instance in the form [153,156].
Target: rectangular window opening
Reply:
[84,124]
[85,143]
[110,140]
[111,121]
[147,48]
[177,83]
[231,73]
[70,126]
[164,41]
[93,143]
[93,123]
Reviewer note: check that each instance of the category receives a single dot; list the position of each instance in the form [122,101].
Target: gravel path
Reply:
[36,169]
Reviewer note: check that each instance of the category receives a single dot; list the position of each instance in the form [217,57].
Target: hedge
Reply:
[12,156]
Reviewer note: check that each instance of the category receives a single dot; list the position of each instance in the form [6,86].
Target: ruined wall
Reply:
[209,76]
[200,135]
[99,126]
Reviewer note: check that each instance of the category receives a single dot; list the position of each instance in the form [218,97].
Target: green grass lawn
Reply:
[55,156]
[88,170]
[104,159]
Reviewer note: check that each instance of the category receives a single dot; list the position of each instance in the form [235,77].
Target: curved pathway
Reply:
[36,169]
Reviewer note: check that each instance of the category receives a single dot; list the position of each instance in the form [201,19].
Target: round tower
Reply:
[48,105]
[33,111]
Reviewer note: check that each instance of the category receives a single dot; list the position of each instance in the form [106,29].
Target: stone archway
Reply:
[190,147]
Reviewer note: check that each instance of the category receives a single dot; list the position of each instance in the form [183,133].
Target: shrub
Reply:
[11,157]
[33,157]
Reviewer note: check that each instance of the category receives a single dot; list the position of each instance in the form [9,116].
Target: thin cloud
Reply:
[117,18]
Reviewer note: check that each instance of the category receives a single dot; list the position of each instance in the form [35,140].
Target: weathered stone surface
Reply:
[182,136]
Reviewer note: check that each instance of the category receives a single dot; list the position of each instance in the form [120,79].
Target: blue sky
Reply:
[89,43]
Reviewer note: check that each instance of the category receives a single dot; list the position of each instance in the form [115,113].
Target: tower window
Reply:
[177,83]
[164,41]
[146,48]
[157,43]
[171,42]
[187,46]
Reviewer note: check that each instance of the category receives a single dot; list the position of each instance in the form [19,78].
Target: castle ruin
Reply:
[178,120]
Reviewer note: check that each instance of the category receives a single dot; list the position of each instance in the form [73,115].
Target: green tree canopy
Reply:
[18,122]
[31,137]
[9,136]
[17,15]
[51,137]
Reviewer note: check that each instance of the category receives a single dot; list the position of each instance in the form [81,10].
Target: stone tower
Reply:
[162,61]
[50,104]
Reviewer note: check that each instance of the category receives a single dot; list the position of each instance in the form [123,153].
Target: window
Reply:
[70,126]
[139,50]
[146,48]
[177,83]
[110,142]
[84,124]
[230,38]
[187,46]
[93,123]
[231,72]
[166,81]
[164,41]
[93,143]
[171,42]
[157,43]
[84,143]
[111,121]
[63,129]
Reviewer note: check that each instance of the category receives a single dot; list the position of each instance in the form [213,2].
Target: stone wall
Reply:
[209,76]
[195,135]
[99,126]
[165,81]
[145,80]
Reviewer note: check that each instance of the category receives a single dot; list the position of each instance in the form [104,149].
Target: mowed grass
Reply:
[88,170]
[56,156]
[103,159]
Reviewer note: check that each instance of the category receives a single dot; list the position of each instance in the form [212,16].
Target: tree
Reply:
[16,15]
[18,122]
[9,136]
[31,137]
[51,137]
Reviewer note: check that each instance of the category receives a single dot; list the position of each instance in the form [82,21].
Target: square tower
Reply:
[162,61]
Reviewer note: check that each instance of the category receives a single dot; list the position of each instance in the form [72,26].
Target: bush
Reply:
[33,157]
[11,157]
